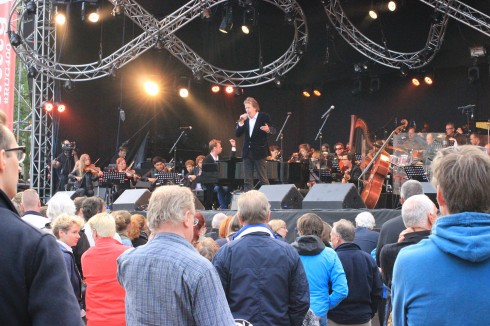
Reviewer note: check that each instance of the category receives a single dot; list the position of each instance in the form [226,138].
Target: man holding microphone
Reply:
[256,126]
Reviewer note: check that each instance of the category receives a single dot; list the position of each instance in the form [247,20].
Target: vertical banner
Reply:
[7,64]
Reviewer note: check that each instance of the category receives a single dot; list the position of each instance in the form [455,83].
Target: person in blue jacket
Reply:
[326,277]
[443,280]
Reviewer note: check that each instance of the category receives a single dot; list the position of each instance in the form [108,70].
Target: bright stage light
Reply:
[151,88]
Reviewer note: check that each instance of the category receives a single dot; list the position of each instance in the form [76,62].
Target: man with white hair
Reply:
[215,223]
[443,280]
[31,205]
[167,281]
[35,289]
[263,277]
[365,237]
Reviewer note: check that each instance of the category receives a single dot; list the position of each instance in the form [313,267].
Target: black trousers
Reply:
[249,164]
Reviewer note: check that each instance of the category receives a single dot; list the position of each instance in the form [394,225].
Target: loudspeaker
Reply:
[282,196]
[333,196]
[234,200]
[132,200]
[71,194]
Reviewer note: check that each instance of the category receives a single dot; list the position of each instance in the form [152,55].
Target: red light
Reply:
[229,89]
[215,89]
[48,106]
[61,108]
[415,81]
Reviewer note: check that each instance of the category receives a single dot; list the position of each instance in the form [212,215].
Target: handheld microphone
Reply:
[186,127]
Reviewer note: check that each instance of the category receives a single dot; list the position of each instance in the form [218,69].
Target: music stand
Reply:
[110,179]
[166,178]
[335,166]
[323,174]
[416,172]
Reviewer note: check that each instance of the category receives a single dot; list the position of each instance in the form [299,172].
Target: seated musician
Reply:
[189,177]
[123,151]
[129,182]
[352,171]
[158,167]
[302,156]
[224,193]
[317,162]
[275,153]
[339,150]
[325,150]
[84,177]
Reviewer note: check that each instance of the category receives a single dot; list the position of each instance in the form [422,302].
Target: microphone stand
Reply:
[319,134]
[281,135]
[174,149]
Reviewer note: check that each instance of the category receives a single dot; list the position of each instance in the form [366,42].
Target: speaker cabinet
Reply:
[71,194]
[282,196]
[132,200]
[333,196]
[430,191]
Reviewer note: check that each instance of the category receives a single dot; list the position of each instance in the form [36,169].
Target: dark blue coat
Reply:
[264,280]
[365,286]
[366,239]
[34,288]
[255,147]
[73,273]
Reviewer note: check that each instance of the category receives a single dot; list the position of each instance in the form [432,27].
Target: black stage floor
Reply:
[329,215]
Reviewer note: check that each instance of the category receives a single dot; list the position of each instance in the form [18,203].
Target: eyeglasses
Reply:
[339,148]
[21,152]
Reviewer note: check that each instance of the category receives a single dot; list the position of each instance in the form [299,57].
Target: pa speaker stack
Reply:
[282,196]
[333,196]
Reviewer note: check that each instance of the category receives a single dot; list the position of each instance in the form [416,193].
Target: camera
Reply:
[69,147]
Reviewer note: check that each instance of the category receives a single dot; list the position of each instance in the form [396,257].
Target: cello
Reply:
[380,166]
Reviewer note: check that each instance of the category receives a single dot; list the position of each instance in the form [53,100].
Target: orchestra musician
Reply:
[275,153]
[189,177]
[129,182]
[84,176]
[352,172]
[317,162]
[255,126]
[158,167]
[452,136]
[123,151]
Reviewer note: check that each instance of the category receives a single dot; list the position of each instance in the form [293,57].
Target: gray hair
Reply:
[253,207]
[30,199]
[169,204]
[415,210]
[366,220]
[59,204]
[64,222]
[410,188]
[463,174]
[344,229]
[104,224]
[217,219]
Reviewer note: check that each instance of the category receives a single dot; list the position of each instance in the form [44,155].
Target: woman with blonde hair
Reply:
[138,230]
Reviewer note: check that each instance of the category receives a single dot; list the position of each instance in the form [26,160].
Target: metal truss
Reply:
[381,53]
[162,33]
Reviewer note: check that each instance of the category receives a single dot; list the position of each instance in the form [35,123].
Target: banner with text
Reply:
[7,64]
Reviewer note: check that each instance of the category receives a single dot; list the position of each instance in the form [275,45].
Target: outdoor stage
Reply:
[329,215]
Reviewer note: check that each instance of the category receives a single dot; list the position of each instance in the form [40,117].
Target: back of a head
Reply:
[123,219]
[30,200]
[91,206]
[410,188]
[59,204]
[104,224]
[137,224]
[276,224]
[327,228]
[224,227]
[415,210]
[79,203]
[207,248]
[345,230]
[234,225]
[217,219]
[168,204]
[310,224]
[253,207]
[463,176]
[365,220]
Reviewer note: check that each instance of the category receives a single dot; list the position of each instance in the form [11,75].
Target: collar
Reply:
[253,228]
[64,246]
[6,202]
[32,213]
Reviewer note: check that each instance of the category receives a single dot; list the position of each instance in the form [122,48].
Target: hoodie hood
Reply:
[308,245]
[464,235]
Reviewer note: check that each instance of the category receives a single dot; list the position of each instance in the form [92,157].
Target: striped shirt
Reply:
[167,282]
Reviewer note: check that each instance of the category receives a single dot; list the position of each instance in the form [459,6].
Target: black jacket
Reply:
[34,285]
[365,286]
[389,234]
[255,147]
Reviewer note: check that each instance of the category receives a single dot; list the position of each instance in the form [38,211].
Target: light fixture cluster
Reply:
[384,6]
[228,90]
[89,11]
[310,91]
[423,79]
[49,106]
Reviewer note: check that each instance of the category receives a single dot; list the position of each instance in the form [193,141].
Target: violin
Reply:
[95,170]
[131,174]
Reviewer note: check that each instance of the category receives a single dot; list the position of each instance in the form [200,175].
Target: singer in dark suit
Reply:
[255,126]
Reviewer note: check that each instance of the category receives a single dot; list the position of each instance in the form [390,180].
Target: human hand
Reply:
[265,128]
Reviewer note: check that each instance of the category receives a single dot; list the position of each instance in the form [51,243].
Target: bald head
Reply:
[30,201]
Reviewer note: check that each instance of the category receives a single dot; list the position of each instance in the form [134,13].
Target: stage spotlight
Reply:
[300,49]
[118,9]
[278,81]
[61,107]
[229,89]
[68,85]
[227,22]
[415,81]
[215,88]
[151,87]
[59,16]
[473,74]
[198,75]
[206,14]
[32,72]
[248,20]
[429,79]
[183,85]
[374,84]
[403,72]
[15,39]
[373,14]
[317,91]
[48,106]
[391,5]
[289,18]
[306,92]
[357,86]
[238,91]
[31,7]
[90,13]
